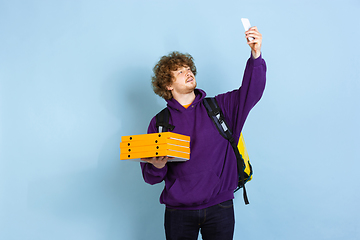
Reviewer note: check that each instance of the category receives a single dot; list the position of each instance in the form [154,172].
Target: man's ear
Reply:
[169,88]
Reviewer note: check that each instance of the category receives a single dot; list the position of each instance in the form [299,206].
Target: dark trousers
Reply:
[215,223]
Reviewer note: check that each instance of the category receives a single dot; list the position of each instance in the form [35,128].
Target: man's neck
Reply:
[185,99]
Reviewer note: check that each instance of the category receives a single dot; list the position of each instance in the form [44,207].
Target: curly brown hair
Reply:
[163,76]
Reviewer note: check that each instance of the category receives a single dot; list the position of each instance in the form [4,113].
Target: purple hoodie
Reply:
[210,176]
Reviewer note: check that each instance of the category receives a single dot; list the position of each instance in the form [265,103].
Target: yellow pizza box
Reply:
[156,147]
[155,136]
[154,142]
[180,156]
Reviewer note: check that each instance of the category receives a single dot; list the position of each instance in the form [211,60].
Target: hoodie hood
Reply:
[175,105]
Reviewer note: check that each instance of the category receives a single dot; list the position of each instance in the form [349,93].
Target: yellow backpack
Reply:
[244,154]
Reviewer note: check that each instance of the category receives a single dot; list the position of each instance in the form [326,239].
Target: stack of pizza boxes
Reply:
[135,147]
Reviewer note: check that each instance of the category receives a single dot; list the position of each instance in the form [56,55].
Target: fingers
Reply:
[158,162]
[254,33]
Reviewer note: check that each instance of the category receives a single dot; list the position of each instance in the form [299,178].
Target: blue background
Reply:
[75,77]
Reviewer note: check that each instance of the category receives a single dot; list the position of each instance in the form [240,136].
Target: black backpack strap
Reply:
[218,118]
[162,121]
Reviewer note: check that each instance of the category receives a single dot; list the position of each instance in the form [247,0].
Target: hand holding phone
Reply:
[247,26]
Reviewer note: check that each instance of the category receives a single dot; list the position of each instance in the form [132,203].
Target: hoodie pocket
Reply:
[190,190]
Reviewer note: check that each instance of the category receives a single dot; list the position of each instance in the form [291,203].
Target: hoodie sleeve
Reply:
[237,104]
[151,174]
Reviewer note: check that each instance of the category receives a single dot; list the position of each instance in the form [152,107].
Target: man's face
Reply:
[183,81]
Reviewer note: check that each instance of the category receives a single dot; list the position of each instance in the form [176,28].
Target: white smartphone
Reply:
[247,26]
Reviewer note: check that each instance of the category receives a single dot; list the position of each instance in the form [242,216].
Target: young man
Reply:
[198,193]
